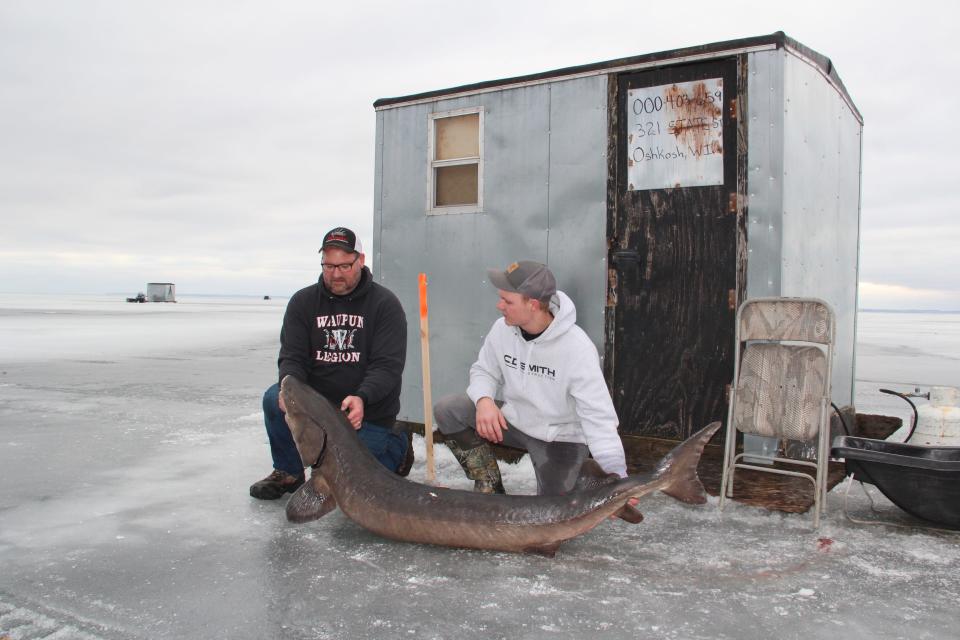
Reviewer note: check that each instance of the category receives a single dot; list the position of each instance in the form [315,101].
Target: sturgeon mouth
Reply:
[322,453]
[310,438]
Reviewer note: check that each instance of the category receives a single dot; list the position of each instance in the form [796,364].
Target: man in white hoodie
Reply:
[555,404]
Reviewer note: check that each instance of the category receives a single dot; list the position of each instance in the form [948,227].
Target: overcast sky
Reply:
[211,144]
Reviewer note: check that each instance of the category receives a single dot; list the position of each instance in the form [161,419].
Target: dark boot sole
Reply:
[272,491]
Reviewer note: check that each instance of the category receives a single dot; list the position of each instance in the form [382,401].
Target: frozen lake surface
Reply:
[129,435]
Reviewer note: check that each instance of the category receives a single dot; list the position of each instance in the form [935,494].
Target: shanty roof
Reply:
[778,40]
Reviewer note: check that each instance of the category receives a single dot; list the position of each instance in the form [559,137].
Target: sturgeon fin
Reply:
[630,513]
[549,550]
[592,476]
[311,501]
[680,467]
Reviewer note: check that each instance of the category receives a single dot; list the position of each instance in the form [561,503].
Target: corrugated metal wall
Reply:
[804,186]
[544,199]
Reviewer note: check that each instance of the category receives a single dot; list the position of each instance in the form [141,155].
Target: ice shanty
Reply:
[662,189]
[161,292]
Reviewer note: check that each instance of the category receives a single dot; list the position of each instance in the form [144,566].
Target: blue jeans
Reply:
[384,443]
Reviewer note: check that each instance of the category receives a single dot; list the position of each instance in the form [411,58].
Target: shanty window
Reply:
[456,162]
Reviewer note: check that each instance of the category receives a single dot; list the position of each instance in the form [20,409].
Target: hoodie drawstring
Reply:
[528,360]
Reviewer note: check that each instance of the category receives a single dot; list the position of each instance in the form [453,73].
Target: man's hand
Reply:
[353,407]
[490,420]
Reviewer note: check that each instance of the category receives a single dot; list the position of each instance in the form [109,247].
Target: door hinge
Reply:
[732,299]
[726,391]
[732,202]
[733,109]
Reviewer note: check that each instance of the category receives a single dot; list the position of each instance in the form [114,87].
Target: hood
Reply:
[564,317]
[366,281]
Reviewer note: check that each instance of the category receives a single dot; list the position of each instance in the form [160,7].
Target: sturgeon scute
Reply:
[346,475]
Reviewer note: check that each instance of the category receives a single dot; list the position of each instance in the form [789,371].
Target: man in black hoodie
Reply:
[346,336]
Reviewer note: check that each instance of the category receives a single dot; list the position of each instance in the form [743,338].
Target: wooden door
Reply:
[673,233]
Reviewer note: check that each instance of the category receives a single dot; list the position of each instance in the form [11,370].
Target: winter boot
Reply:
[477,460]
[275,485]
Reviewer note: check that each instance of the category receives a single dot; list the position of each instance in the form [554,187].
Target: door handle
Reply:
[625,257]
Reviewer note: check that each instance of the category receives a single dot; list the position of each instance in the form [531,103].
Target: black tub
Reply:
[923,481]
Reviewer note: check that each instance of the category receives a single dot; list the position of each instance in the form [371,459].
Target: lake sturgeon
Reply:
[346,475]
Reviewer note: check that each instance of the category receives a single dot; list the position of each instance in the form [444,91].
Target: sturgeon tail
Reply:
[679,467]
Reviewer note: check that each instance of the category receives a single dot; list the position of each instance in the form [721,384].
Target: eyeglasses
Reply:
[342,268]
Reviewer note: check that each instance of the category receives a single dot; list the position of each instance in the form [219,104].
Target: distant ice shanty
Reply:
[161,292]
[662,190]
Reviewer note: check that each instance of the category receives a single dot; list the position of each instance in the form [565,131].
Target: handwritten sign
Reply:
[675,135]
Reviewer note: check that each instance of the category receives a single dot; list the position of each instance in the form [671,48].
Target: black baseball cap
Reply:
[531,279]
[342,238]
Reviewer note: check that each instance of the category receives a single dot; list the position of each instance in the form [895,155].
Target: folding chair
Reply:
[781,386]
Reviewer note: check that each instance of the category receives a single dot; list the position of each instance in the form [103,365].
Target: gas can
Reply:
[938,423]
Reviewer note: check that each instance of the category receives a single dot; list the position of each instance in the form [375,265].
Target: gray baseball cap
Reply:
[531,279]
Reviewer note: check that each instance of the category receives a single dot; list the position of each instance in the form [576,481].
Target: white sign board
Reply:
[675,135]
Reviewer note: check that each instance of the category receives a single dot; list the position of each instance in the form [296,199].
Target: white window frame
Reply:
[432,208]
